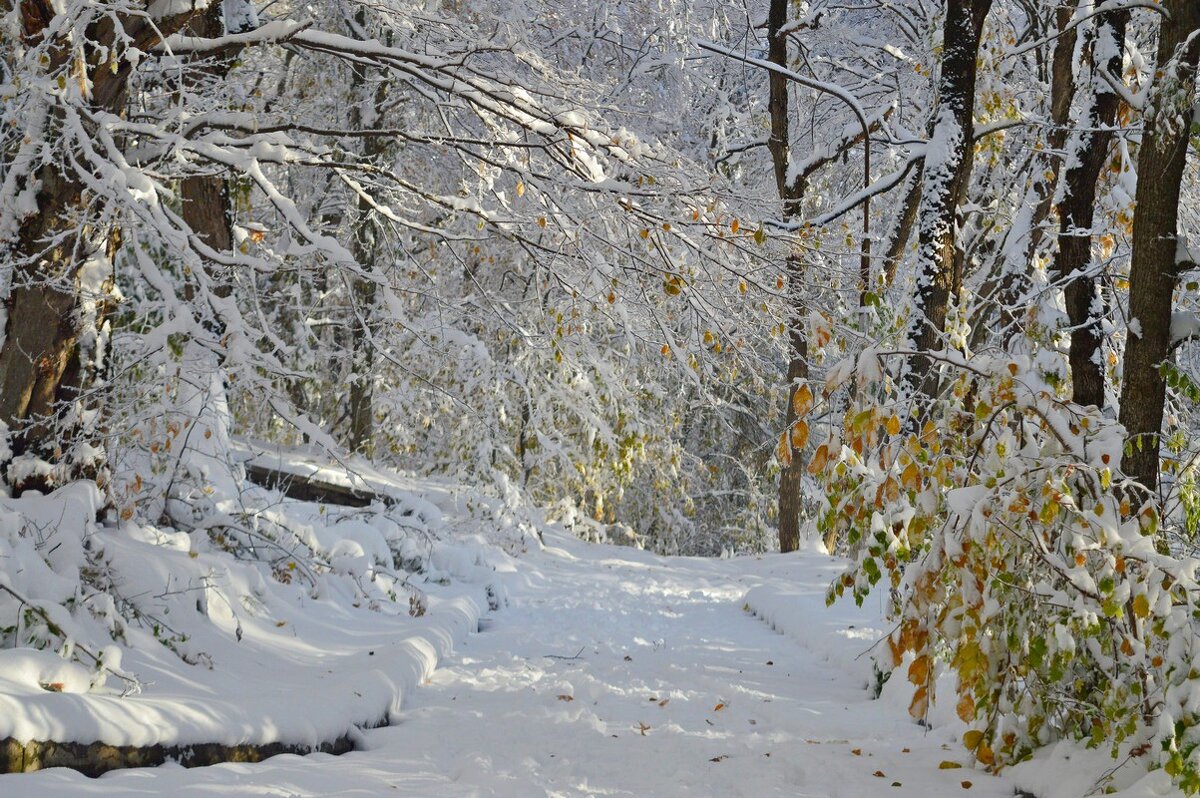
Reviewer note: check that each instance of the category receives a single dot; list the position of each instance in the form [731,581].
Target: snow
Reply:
[613,672]
[1185,325]
[350,666]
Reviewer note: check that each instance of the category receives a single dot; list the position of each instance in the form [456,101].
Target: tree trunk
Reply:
[790,194]
[205,198]
[1154,270]
[59,300]
[365,249]
[904,227]
[1090,147]
[947,173]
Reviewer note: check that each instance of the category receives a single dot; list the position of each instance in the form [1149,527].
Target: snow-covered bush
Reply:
[1020,559]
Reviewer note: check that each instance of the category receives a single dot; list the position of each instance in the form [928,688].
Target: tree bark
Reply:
[1153,270]
[47,355]
[905,223]
[205,198]
[790,194]
[946,176]
[1077,213]
[365,249]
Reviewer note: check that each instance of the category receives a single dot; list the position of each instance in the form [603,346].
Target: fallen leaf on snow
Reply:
[719,707]
[879,774]
[966,785]
[947,764]
[565,697]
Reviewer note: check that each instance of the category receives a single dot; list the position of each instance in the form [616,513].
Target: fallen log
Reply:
[93,759]
[310,488]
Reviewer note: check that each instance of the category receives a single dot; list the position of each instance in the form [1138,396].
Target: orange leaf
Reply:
[920,702]
[799,435]
[802,400]
[918,671]
[820,460]
[966,708]
[783,452]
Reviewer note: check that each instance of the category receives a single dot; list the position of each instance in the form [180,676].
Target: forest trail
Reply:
[613,672]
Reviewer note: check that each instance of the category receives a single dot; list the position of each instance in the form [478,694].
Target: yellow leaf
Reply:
[734,226]
[820,460]
[541,221]
[893,425]
[1141,605]
[719,707]
[802,400]
[920,702]
[520,188]
[783,451]
[918,671]
[799,435]
[966,708]
[947,764]
[972,739]
[984,754]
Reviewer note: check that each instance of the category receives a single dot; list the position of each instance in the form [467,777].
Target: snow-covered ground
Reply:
[613,672]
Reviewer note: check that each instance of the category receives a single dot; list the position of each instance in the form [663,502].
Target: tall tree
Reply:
[791,191]
[1155,263]
[1088,154]
[61,252]
[948,162]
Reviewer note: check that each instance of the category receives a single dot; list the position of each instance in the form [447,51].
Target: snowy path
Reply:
[677,690]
